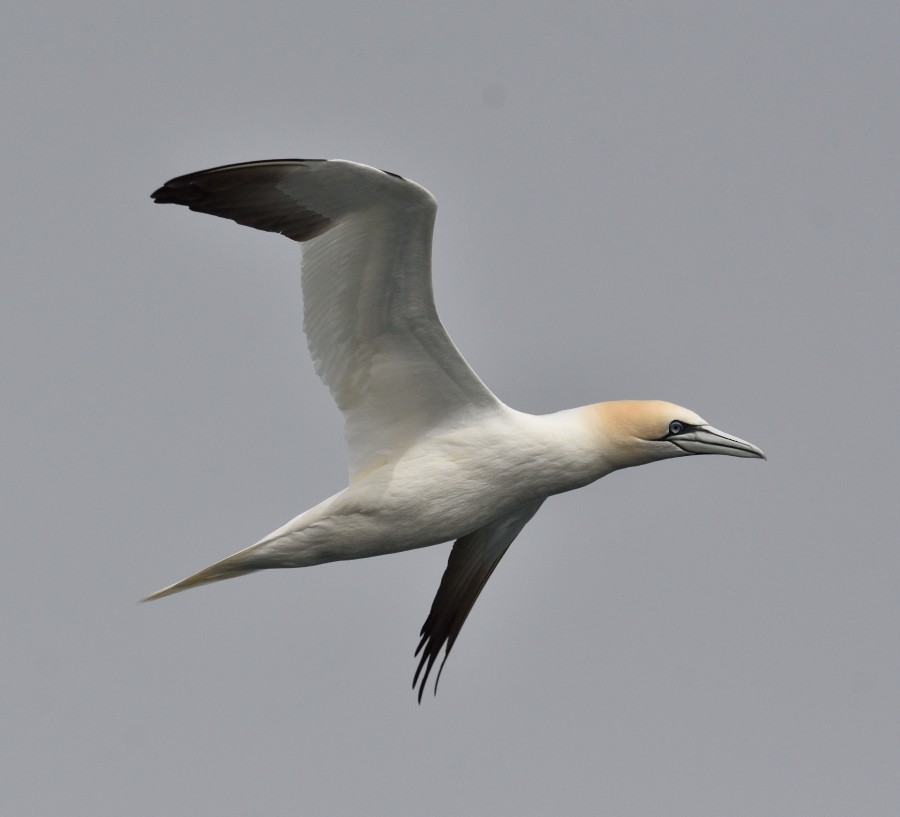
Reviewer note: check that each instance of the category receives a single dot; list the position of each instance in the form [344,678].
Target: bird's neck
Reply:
[567,448]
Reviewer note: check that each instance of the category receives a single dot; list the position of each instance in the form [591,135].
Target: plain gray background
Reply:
[692,201]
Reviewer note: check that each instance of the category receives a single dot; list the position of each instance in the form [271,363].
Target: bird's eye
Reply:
[676,427]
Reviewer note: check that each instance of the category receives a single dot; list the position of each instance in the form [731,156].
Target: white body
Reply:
[448,484]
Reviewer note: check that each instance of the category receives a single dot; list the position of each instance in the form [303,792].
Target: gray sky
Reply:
[697,202]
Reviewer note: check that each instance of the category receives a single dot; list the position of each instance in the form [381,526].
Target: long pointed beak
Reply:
[709,440]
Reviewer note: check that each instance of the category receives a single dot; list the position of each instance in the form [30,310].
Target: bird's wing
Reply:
[369,314]
[470,565]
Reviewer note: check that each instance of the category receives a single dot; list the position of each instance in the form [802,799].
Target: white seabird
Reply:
[433,455]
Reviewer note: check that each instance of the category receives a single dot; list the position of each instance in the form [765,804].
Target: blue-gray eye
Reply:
[676,427]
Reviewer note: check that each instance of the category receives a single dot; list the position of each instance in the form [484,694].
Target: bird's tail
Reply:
[228,568]
[300,543]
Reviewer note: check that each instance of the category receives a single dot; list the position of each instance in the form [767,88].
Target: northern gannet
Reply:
[433,455]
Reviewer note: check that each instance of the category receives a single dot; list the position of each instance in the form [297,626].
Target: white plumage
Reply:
[433,454]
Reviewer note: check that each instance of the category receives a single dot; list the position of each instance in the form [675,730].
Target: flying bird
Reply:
[433,454]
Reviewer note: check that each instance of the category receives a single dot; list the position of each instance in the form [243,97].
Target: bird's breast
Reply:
[455,480]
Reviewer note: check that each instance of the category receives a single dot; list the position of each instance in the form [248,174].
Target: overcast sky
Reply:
[696,202]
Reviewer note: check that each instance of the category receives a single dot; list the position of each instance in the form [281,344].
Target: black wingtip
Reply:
[426,664]
[252,194]
[177,195]
[192,187]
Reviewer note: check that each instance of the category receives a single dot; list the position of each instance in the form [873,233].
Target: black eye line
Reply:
[684,428]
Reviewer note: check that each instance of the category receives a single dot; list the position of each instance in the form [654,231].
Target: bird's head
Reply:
[642,431]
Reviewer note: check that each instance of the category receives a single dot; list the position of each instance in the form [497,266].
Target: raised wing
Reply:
[471,563]
[369,314]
